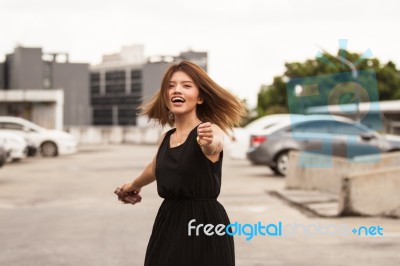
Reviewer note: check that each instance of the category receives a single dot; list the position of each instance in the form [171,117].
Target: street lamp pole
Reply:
[354,73]
[353,68]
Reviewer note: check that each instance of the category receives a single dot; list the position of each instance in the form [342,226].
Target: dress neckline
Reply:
[183,143]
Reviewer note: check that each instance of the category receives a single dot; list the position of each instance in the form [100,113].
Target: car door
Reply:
[313,137]
[355,140]
[29,134]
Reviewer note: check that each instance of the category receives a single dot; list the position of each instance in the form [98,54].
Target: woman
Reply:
[187,168]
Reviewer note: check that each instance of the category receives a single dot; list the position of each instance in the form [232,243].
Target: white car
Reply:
[15,146]
[239,142]
[3,154]
[49,142]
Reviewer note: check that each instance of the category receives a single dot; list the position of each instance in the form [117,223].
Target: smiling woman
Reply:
[219,106]
[187,167]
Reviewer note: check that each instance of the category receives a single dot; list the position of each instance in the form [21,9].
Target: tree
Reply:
[273,98]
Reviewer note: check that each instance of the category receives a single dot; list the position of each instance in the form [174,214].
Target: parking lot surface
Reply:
[62,211]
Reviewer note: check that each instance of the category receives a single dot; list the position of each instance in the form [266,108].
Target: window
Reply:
[136,87]
[136,74]
[12,126]
[115,75]
[312,127]
[346,128]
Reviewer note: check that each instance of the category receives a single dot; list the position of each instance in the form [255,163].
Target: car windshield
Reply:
[275,127]
[33,126]
[259,124]
[266,121]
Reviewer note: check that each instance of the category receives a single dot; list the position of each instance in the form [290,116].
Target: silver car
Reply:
[322,134]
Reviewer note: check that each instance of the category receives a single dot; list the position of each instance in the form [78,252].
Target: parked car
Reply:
[48,142]
[15,146]
[32,149]
[238,144]
[322,134]
[3,155]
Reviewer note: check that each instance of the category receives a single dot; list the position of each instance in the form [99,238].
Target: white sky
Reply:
[248,41]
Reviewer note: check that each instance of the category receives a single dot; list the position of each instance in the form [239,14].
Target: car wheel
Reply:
[282,163]
[274,170]
[48,149]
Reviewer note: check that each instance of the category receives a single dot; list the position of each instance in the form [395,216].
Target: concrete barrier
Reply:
[373,193]
[116,134]
[365,185]
[324,173]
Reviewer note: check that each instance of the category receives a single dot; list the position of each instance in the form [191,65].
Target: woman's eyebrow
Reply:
[183,81]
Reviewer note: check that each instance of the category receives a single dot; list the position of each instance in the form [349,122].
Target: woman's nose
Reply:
[177,89]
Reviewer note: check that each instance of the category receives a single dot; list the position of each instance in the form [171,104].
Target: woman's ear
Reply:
[200,99]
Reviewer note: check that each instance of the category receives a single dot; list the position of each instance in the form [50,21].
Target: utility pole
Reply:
[354,73]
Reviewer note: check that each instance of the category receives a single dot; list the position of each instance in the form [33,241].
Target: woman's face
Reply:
[183,95]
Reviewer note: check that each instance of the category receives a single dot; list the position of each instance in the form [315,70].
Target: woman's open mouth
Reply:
[177,100]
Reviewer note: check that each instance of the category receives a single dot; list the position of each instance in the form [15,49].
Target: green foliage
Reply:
[247,118]
[272,98]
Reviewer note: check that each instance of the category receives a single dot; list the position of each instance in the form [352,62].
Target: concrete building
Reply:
[43,107]
[123,80]
[31,70]
[199,58]
[2,76]
[116,87]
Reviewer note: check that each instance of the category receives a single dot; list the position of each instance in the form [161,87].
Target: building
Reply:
[2,75]
[120,83]
[33,71]
[199,58]
[382,116]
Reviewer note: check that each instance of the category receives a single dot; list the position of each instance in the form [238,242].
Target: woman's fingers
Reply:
[128,196]
[205,132]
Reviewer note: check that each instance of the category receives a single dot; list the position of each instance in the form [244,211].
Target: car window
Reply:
[11,126]
[311,127]
[345,128]
[256,125]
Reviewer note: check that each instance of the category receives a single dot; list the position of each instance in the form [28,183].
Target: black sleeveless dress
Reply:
[190,184]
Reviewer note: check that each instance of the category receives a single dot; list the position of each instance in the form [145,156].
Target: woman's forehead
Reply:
[180,76]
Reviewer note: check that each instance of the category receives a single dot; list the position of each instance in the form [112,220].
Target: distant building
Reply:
[199,58]
[29,69]
[49,90]
[2,76]
[123,80]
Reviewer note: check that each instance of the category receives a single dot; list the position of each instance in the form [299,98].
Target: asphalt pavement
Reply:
[62,211]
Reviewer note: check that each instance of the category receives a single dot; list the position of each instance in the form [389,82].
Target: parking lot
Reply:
[62,211]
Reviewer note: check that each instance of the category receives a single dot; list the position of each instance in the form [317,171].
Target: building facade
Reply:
[29,69]
[123,81]
[2,76]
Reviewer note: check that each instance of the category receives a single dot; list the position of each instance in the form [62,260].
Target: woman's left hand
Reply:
[205,134]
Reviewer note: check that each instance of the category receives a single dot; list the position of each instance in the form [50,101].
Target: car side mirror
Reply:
[367,136]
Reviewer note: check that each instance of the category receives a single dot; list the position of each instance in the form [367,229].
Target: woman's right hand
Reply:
[128,193]
[130,186]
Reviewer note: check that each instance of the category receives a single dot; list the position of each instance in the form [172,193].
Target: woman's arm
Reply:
[146,177]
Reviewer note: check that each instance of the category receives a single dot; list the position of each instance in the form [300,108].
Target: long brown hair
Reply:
[219,106]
